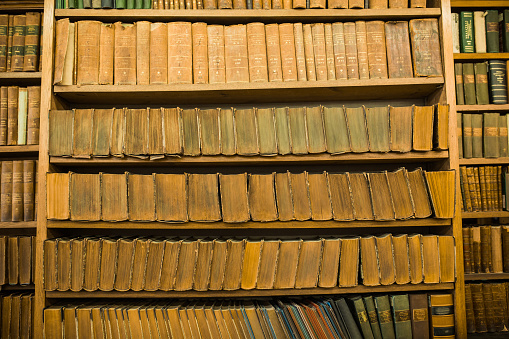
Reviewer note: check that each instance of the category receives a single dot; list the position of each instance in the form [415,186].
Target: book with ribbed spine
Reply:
[467,32]
[481,83]
[498,81]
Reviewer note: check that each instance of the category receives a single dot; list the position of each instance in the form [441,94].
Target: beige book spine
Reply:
[236,56]
[362,49]
[106,53]
[257,52]
[329,52]
[338,41]
[88,52]
[200,57]
[125,54]
[318,33]
[288,54]
[309,53]
[377,56]
[180,50]
[216,57]
[351,50]
[158,53]
[300,55]
[143,51]
[61,41]
[273,53]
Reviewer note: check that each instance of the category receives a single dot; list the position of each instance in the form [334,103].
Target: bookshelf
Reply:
[419,91]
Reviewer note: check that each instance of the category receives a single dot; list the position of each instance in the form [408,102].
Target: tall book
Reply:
[399,60]
[479,31]
[236,53]
[467,32]
[32,38]
[492,31]
[18,43]
[180,45]
[481,83]
[257,52]
[88,37]
[458,76]
[427,58]
[498,81]
[377,53]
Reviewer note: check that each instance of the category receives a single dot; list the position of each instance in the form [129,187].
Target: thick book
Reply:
[377,121]
[32,38]
[82,133]
[369,261]
[209,131]
[199,53]
[262,197]
[427,57]
[442,191]
[300,196]
[171,197]
[341,196]
[356,120]
[479,31]
[362,49]
[300,55]
[350,42]
[227,130]
[336,130]
[284,196]
[233,271]
[186,265]
[172,129]
[308,52]
[469,84]
[234,197]
[481,83]
[218,264]
[144,51]
[492,31]
[401,314]
[18,43]
[338,41]
[319,197]
[441,127]
[329,266]
[257,52]
[28,198]
[236,54]
[125,54]
[266,126]
[401,259]
[17,190]
[87,52]
[106,54]
[113,197]
[308,264]
[101,132]
[418,304]
[381,198]
[377,52]
[315,129]
[441,313]
[191,133]
[85,190]
[203,264]
[318,34]
[13,96]
[372,316]
[136,142]
[349,262]
[361,196]
[287,264]
[458,76]
[203,197]
[298,130]
[57,194]
[216,54]
[419,193]
[268,263]
[498,81]
[423,135]
[490,134]
[288,52]
[157,65]
[467,32]
[385,318]
[246,133]
[401,128]
[180,44]
[415,258]
[385,255]
[400,192]
[282,127]
[399,60]
[156,137]
[141,197]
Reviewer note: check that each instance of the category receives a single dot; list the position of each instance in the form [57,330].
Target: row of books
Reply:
[482,188]
[19,115]
[481,31]
[154,133]
[235,198]
[17,254]
[487,307]
[151,264]
[21,42]
[367,316]
[18,190]
[238,4]
[146,53]
[17,315]
[486,249]
[482,135]
[481,83]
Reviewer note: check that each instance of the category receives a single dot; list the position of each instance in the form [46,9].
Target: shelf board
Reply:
[480,56]
[230,93]
[479,3]
[488,214]
[20,78]
[484,161]
[18,224]
[482,108]
[310,224]
[15,288]
[19,150]
[215,160]
[19,7]
[252,293]
[247,15]
[486,276]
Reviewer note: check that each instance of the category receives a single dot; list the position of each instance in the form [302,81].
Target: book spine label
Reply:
[467,32]
[18,43]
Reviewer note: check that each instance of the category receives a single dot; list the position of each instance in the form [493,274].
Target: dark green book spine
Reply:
[460,94]
[383,310]
[490,135]
[58,4]
[477,140]
[373,317]
[459,118]
[401,316]
[130,4]
[71,4]
[498,81]
[147,4]
[469,83]
[353,330]
[80,4]
[467,32]
[362,317]
[481,83]
[107,4]
[505,30]
[492,36]
[120,4]
[138,4]
[467,135]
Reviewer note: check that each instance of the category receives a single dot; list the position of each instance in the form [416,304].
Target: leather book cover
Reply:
[18,43]
[481,83]
[356,120]
[287,264]
[186,265]
[88,38]
[200,53]
[266,127]
[423,135]
[336,130]
[492,31]
[17,190]
[309,52]
[349,262]
[298,130]
[203,197]
[106,54]
[172,128]
[234,197]
[284,197]
[319,196]
[400,193]
[441,127]
[262,198]
[57,190]
[32,37]
[29,173]
[246,133]
[318,34]
[486,259]
[180,53]
[141,197]
[33,114]
[216,54]
[419,193]
[169,264]
[479,308]
[442,315]
[329,52]
[399,60]
[458,73]
[218,264]
[92,264]
[274,65]
[361,316]
[466,190]
[426,54]
[6,192]
[268,263]
[171,197]
[85,197]
[447,258]
[362,49]
[419,315]
[288,53]
[385,319]
[377,121]
[4,27]
[378,4]
[283,139]
[12,114]
[376,49]
[143,52]
[369,261]
[257,52]
[352,61]
[401,259]
[490,134]
[157,65]
[401,130]
[361,196]
[499,306]
[191,133]
[233,271]
[505,247]
[251,263]
[415,258]
[209,131]
[338,41]
[300,193]
[315,129]
[82,134]
[381,198]
[476,204]
[113,197]
[10,36]
[203,265]
[108,263]
[300,54]
[3,259]
[136,132]
[13,260]
[469,84]
[467,250]
[4,115]
[155,133]
[341,196]
[401,314]
[227,131]
[236,55]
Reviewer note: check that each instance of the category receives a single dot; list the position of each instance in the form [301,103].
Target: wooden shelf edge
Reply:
[311,224]
[486,276]
[489,214]
[20,75]
[18,224]
[479,3]
[16,288]
[482,108]
[252,293]
[19,149]
[241,160]
[480,56]
[484,161]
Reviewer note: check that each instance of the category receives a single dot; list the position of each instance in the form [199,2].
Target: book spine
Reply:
[477,136]
[466,189]
[257,52]
[12,115]
[22,116]
[4,28]
[505,30]
[239,4]
[10,36]
[288,54]
[28,190]
[3,115]
[124,67]
[479,32]
[492,33]
[498,81]
[471,189]
[200,61]
[478,307]
[401,315]
[33,119]
[442,316]
[417,3]
[143,52]
[17,190]
[351,50]
[40,44]
[377,56]
[6,191]
[469,83]
[308,51]
[467,261]
[300,54]
[318,33]
[467,32]
[455,32]
[236,56]
[399,59]
[18,43]
[490,135]
[210,4]
[338,4]
[338,40]
[459,132]
[481,83]
[426,55]
[329,52]
[31,52]
[107,4]
[460,94]
[505,235]
[216,57]
[502,136]
[484,195]
[106,53]
[362,49]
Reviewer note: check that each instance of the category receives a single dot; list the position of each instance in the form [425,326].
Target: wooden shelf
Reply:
[484,161]
[16,288]
[18,224]
[479,3]
[480,56]
[232,93]
[330,224]
[21,150]
[486,276]
[20,78]
[248,15]
[20,7]
[489,214]
[482,108]
[216,160]
[252,293]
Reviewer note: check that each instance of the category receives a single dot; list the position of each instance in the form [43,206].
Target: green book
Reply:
[120,4]
[362,317]
[492,35]
[298,132]
[190,132]
[356,120]
[314,124]
[377,119]
[130,4]
[10,34]
[147,4]
[226,123]
[282,130]
[481,83]
[22,116]
[459,131]
[246,136]
[490,134]
[460,94]
[138,4]
[469,84]
[347,316]
[505,30]
[71,4]
[467,32]
[373,317]
[80,4]
[498,81]
[266,131]
[96,4]
[467,135]
[477,140]
[383,310]
[401,315]
[502,136]
[336,130]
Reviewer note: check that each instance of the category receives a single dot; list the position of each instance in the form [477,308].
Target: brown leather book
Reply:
[288,53]
[172,131]
[85,197]
[106,54]
[155,134]
[417,4]
[426,54]
[419,315]
[143,52]
[82,134]
[469,309]
[399,61]
[496,249]
[329,52]
[381,198]
[77,263]
[300,54]
[236,56]
[378,4]
[4,23]
[257,52]
[318,33]
[284,196]
[10,36]
[13,260]
[210,4]
[239,4]
[113,197]
[227,130]
[362,49]
[6,191]
[32,37]
[377,55]
[308,265]
[400,193]
[441,127]
[274,66]
[338,4]
[171,197]
[401,259]
[53,325]
[300,193]
[352,63]
[489,306]
[349,262]
[18,43]
[186,265]
[169,264]
[319,196]
[499,306]
[50,265]
[329,267]
[486,259]
[419,193]
[203,264]
[338,40]
[216,54]
[107,264]
[467,250]
[287,264]
[190,132]
[125,54]
[262,199]
[203,203]
[117,133]
[341,196]
[442,190]
[479,308]
[315,129]
[401,128]
[64,264]
[233,271]
[57,190]
[250,263]
[386,259]
[209,131]
[246,134]
[88,37]
[369,261]
[25,260]
[309,52]
[199,53]
[218,264]
[361,197]
[3,259]
[3,114]
[33,115]
[17,190]
[430,259]
[234,197]
[136,132]
[141,197]
[158,47]
[415,258]
[92,264]
[12,115]
[447,257]
[266,126]
[476,248]
[268,261]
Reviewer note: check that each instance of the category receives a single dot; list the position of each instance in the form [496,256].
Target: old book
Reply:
[336,130]
[329,266]
[266,127]
[233,271]
[282,128]
[460,94]
[469,84]
[384,316]
[427,57]
[361,196]
[13,268]
[117,133]
[356,120]
[459,133]
[401,128]
[492,31]
[53,325]
[288,53]
[378,4]
[441,186]
[441,127]
[401,258]
[257,52]
[490,134]
[17,190]
[125,54]
[136,132]
[155,134]
[18,43]
[92,264]
[21,117]
[50,265]
[28,198]
[400,193]
[503,141]
[203,203]
[12,114]
[203,264]
[143,52]
[341,196]
[171,197]
[372,316]
[218,264]
[486,254]
[415,258]
[77,263]
[4,24]
[418,305]
[227,130]
[441,311]
[308,52]
[419,193]
[298,130]
[284,196]
[101,132]
[186,265]
[362,49]
[250,263]
[381,198]
[430,259]
[106,54]
[315,129]
[319,196]
[172,130]
[338,41]
[262,199]
[386,259]
[300,194]
[87,53]
[318,34]
[377,121]
[234,197]
[308,265]
[200,53]
[274,65]
[498,81]
[350,40]
[180,44]
[401,314]
[158,56]
[32,35]
[236,54]
[191,132]
[82,133]
[369,261]
[3,114]
[399,60]
[246,137]
[481,83]
[447,257]
[108,262]
[287,264]
[496,249]
[141,197]
[348,262]
[423,136]
[85,197]
[376,49]
[268,261]
[300,54]
[57,194]
[169,264]
[216,54]
[113,197]
[477,135]
[209,131]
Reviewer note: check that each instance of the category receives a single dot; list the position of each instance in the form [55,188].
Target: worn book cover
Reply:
[209,131]
[356,120]
[426,54]
[257,52]
[262,198]
[171,197]
[246,133]
[361,197]
[319,196]
[141,197]
[234,197]
[399,59]
[336,130]
[203,195]
[113,197]
[85,197]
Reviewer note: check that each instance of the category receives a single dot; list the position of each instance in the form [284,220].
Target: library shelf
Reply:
[486,276]
[219,225]
[480,56]
[252,293]
[487,214]
[19,150]
[20,7]
[20,78]
[246,15]
[484,161]
[18,224]
[478,3]
[482,108]
[16,288]
[235,93]
[214,160]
